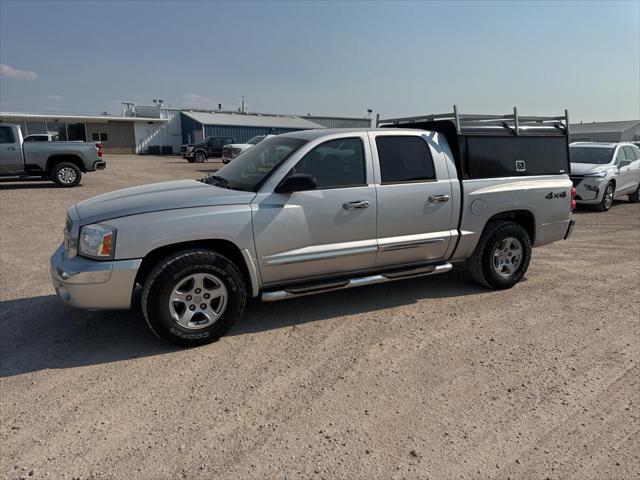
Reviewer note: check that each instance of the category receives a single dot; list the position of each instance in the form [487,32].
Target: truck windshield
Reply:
[599,155]
[248,170]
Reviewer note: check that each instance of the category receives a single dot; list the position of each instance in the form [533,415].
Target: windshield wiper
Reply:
[217,181]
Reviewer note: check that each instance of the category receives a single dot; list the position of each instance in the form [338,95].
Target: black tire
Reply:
[169,273]
[66,174]
[200,157]
[607,202]
[635,196]
[481,263]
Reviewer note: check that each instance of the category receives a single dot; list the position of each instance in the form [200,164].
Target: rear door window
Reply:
[404,159]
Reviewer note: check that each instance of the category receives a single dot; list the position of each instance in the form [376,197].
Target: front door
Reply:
[627,174]
[416,223]
[11,161]
[330,230]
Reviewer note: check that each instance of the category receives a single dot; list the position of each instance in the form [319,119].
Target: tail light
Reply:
[573,200]
[99,150]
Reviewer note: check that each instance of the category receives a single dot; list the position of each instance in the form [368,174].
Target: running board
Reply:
[310,289]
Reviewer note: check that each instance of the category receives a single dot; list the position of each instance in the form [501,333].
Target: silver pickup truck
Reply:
[313,211]
[62,162]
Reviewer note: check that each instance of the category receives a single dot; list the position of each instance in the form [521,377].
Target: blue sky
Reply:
[330,58]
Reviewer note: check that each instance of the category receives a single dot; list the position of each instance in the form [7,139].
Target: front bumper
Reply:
[91,284]
[589,189]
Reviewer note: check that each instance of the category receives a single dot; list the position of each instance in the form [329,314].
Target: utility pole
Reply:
[242,108]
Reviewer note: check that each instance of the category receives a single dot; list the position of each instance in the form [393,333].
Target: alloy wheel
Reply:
[198,300]
[507,257]
[67,175]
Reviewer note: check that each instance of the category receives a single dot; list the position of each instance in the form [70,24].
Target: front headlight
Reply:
[597,175]
[97,241]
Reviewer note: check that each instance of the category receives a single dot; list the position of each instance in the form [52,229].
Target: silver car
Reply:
[603,171]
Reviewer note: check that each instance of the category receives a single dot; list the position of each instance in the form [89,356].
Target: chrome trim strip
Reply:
[413,244]
[355,282]
[281,259]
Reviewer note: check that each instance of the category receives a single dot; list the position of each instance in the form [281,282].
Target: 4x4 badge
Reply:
[520,166]
[551,195]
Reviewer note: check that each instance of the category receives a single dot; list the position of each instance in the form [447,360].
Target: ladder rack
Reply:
[511,122]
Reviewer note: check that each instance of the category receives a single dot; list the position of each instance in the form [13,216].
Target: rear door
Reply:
[11,160]
[415,220]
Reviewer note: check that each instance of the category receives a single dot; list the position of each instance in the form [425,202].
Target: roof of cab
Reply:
[325,132]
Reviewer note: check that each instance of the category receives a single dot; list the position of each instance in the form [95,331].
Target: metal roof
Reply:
[601,127]
[68,116]
[248,120]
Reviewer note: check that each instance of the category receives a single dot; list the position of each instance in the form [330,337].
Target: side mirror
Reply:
[298,182]
[624,163]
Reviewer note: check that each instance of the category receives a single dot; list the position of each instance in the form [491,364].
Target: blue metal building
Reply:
[241,126]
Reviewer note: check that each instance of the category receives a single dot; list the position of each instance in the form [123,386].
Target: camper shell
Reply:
[496,146]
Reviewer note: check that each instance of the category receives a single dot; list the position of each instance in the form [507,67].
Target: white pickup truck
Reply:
[313,211]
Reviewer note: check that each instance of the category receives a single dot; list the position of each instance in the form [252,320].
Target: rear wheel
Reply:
[193,297]
[502,256]
[607,198]
[66,174]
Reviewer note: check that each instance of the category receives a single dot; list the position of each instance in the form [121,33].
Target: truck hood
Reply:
[239,145]
[156,197]
[587,168]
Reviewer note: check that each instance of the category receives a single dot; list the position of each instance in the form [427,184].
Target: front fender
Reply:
[140,234]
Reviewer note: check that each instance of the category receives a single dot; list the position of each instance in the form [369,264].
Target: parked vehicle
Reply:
[231,151]
[39,137]
[319,210]
[61,162]
[201,152]
[603,171]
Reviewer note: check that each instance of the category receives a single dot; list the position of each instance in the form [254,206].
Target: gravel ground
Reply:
[427,378]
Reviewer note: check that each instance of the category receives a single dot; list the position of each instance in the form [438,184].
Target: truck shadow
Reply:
[28,184]
[587,209]
[41,333]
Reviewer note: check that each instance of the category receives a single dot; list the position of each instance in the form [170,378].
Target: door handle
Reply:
[354,205]
[439,198]
[12,148]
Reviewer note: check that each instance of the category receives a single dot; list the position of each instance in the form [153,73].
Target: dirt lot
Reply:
[429,378]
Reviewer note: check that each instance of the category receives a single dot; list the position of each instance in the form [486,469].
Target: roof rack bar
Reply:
[566,120]
[455,114]
[515,119]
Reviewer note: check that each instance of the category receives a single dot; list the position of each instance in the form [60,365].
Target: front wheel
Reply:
[200,157]
[66,174]
[607,199]
[193,297]
[502,256]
